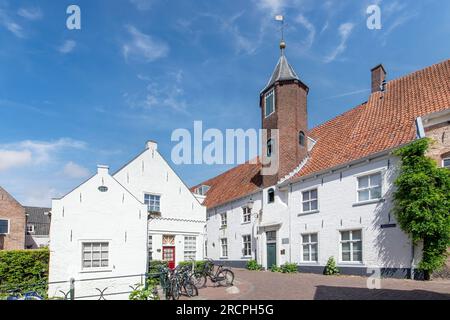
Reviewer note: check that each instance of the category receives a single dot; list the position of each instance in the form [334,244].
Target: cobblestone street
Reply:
[251,285]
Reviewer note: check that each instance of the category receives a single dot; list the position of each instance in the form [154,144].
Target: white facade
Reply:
[119,217]
[384,245]
[181,214]
[87,215]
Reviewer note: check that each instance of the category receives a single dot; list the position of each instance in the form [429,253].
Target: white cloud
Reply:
[345,30]
[67,47]
[310,28]
[73,170]
[10,159]
[160,93]
[273,6]
[142,5]
[7,22]
[34,152]
[30,13]
[143,47]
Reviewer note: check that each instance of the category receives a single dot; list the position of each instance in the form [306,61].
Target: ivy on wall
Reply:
[422,203]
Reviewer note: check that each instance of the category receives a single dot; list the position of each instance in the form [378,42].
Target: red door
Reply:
[169,256]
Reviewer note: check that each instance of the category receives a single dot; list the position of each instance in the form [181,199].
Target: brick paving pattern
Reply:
[253,285]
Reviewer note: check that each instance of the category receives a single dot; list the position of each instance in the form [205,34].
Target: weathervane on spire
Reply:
[282,42]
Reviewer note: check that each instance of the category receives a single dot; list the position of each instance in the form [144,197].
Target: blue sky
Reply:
[138,69]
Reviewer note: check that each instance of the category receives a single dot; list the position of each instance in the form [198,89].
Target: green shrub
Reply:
[289,268]
[145,292]
[199,265]
[275,268]
[331,268]
[26,270]
[253,266]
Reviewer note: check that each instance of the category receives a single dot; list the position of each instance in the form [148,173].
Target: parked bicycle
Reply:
[17,295]
[221,275]
[176,282]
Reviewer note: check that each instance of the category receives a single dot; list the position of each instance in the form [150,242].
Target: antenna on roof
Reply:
[280,18]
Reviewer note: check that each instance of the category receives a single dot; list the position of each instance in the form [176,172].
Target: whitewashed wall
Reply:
[181,213]
[338,211]
[86,214]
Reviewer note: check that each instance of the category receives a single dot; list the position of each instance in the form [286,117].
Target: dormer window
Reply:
[302,139]
[269,105]
[202,190]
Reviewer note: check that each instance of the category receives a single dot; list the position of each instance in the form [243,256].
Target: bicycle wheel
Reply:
[190,289]
[226,277]
[199,280]
[175,290]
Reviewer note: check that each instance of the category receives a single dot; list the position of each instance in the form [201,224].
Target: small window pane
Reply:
[375,193]
[314,205]
[357,256]
[314,237]
[375,180]
[345,256]
[305,196]
[446,163]
[346,235]
[306,207]
[364,195]
[305,238]
[356,235]
[314,194]
[363,182]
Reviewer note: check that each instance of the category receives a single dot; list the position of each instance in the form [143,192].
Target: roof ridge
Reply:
[425,69]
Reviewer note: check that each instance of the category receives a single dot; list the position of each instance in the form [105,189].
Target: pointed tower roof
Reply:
[283,71]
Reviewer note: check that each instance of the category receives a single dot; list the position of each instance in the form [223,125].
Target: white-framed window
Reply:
[153,202]
[369,187]
[202,190]
[310,246]
[4,226]
[224,248]
[150,248]
[446,163]
[269,103]
[246,215]
[30,228]
[95,255]
[310,201]
[351,246]
[271,236]
[302,139]
[247,245]
[223,220]
[190,248]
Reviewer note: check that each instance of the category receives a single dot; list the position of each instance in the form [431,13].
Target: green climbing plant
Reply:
[422,203]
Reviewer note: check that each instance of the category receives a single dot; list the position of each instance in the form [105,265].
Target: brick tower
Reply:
[283,104]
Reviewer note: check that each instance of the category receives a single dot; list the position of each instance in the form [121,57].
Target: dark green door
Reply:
[271,254]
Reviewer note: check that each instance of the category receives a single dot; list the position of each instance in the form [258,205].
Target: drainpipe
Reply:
[412,260]
[290,219]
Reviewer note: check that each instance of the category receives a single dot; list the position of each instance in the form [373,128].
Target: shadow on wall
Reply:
[393,252]
[347,293]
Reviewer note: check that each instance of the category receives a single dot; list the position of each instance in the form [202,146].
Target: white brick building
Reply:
[111,225]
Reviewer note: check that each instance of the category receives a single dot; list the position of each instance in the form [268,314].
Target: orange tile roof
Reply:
[385,121]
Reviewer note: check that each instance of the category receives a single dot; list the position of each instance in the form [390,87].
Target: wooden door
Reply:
[169,256]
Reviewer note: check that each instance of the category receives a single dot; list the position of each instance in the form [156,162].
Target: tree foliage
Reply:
[422,203]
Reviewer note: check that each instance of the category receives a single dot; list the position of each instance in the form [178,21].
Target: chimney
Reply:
[378,78]
[102,169]
[151,145]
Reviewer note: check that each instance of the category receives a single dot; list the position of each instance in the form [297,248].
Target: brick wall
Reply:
[438,151]
[290,117]
[441,135]
[11,210]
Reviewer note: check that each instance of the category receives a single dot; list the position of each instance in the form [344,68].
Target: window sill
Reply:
[223,228]
[365,203]
[308,213]
[350,264]
[96,270]
[307,263]
[223,258]
[246,258]
[244,223]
